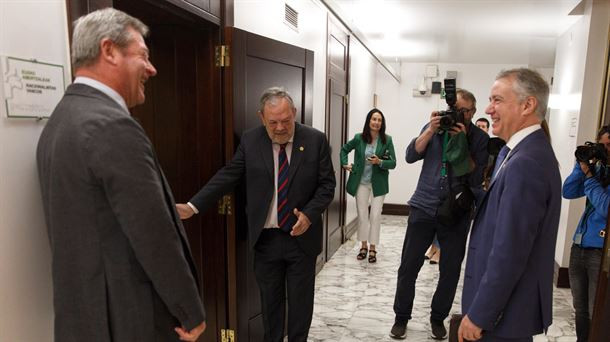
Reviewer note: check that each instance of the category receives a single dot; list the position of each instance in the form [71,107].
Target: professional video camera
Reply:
[452,115]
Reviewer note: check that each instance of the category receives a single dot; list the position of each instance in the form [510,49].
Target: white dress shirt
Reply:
[271,220]
[516,139]
[104,89]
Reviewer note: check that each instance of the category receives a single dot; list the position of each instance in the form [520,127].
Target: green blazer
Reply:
[379,179]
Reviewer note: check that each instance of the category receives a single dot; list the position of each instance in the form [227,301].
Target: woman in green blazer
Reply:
[373,158]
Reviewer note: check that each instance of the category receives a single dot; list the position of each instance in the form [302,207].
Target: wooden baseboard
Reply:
[561,277]
[395,209]
[350,229]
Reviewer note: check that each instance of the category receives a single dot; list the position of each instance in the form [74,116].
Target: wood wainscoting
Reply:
[561,277]
[395,209]
[350,228]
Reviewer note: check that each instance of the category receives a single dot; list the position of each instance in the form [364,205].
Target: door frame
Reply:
[601,308]
[242,44]
[333,25]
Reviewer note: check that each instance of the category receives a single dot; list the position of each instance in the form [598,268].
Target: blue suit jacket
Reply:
[508,283]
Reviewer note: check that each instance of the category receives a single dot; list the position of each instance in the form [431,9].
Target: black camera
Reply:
[452,115]
[594,154]
[590,152]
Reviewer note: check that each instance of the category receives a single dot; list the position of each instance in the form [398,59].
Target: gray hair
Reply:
[89,30]
[272,95]
[529,82]
[468,96]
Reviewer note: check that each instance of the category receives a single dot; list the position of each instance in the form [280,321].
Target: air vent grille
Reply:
[291,17]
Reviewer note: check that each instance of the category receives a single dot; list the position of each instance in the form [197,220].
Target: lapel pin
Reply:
[301,148]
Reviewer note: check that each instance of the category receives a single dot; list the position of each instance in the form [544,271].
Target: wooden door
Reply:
[257,63]
[336,128]
[182,116]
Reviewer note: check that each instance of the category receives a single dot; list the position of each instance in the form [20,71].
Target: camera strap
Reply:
[444,155]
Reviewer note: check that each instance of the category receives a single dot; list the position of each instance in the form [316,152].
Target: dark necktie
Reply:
[284,217]
[501,156]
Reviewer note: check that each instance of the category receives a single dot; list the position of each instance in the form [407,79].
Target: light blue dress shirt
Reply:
[368,167]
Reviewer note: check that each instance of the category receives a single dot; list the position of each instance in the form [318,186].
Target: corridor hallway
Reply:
[353,299]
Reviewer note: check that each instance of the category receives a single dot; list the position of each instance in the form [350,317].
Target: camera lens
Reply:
[446,121]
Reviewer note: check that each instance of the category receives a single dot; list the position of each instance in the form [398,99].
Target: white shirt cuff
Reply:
[193,207]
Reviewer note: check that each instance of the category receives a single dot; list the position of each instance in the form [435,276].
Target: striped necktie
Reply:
[285,219]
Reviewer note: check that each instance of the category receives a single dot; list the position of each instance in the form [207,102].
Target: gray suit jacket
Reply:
[122,268]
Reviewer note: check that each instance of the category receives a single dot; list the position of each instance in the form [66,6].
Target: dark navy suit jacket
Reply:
[508,283]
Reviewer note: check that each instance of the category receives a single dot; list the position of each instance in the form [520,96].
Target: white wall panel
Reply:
[28,29]
[407,114]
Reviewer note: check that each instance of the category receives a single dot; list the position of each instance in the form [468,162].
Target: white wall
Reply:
[266,18]
[363,68]
[28,29]
[406,115]
[576,94]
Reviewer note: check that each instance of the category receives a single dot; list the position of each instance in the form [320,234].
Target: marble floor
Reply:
[353,299]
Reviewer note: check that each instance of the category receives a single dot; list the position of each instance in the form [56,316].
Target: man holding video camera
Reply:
[441,205]
[589,178]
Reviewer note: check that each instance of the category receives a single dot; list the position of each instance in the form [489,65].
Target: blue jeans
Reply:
[583,271]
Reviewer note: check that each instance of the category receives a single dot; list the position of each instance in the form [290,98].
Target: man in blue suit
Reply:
[508,283]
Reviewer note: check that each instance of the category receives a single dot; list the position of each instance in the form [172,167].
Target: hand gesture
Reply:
[585,169]
[468,331]
[302,224]
[457,128]
[348,167]
[374,160]
[435,122]
[184,210]
[192,335]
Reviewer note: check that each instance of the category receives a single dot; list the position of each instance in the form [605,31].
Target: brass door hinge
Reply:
[222,56]
[227,335]
[225,205]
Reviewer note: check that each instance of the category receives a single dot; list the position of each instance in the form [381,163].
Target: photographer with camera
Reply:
[442,204]
[589,178]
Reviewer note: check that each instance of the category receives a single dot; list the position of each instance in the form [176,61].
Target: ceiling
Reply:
[461,31]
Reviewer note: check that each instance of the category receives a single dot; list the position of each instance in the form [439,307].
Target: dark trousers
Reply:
[420,234]
[281,269]
[583,271]
[489,338]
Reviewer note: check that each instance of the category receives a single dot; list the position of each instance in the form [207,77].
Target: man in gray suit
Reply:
[122,268]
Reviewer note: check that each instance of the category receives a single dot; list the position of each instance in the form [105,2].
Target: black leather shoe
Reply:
[438,329]
[399,330]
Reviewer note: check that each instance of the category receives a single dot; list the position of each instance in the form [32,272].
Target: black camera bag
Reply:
[458,203]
